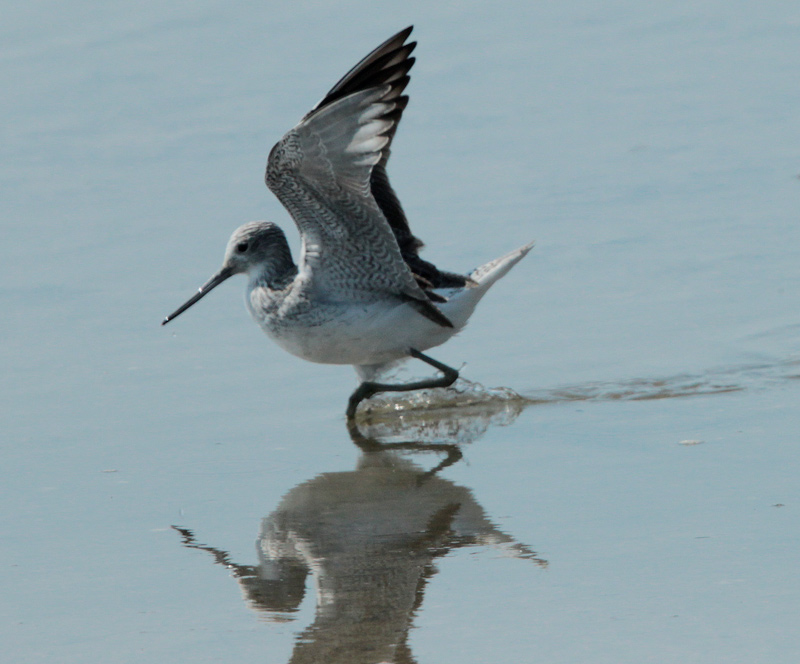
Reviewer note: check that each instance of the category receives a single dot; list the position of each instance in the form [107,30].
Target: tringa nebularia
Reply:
[360,294]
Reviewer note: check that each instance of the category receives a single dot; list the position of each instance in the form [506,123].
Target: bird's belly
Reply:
[360,334]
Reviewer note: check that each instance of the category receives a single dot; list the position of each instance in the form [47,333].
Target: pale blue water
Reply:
[650,151]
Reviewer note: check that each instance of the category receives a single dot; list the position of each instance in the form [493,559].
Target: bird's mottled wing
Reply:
[391,62]
[321,171]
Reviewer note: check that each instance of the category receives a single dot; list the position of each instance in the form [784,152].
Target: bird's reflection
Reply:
[369,537]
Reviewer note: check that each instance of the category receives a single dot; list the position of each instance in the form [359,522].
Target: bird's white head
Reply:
[258,249]
[255,247]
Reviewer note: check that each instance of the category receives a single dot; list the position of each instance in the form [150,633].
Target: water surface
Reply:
[637,503]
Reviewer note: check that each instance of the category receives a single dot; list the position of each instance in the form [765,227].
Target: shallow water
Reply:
[614,481]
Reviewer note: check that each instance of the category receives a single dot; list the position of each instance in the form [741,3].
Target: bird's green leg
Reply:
[368,389]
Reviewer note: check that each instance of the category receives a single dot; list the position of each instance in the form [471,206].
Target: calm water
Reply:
[639,504]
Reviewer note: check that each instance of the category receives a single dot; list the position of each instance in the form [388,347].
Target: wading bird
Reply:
[360,293]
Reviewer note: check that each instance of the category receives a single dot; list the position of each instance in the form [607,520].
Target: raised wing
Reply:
[372,70]
[327,171]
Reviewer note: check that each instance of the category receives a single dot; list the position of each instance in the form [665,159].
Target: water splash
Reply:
[501,405]
[462,413]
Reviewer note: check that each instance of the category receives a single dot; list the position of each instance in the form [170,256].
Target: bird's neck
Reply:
[277,272]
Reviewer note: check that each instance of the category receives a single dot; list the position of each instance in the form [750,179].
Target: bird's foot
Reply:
[369,389]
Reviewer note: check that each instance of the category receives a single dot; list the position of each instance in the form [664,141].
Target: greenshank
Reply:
[360,293]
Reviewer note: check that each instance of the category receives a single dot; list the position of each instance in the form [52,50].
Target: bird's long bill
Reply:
[211,284]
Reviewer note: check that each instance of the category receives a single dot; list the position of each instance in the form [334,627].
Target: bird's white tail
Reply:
[461,303]
[485,275]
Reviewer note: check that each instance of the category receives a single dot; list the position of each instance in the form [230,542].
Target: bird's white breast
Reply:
[358,333]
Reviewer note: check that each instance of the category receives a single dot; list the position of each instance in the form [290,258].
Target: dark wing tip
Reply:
[429,310]
[389,63]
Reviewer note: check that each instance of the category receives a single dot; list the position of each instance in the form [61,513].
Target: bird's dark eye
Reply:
[242,247]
